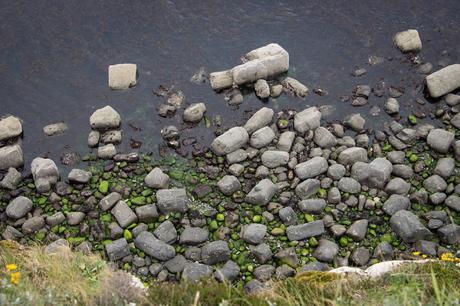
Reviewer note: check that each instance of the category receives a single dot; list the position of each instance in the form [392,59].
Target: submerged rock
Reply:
[55,129]
[194,113]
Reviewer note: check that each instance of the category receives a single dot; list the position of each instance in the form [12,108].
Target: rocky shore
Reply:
[280,194]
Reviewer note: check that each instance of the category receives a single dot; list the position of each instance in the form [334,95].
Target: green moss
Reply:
[103,187]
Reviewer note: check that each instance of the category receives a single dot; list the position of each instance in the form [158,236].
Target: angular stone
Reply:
[253,233]
[358,229]
[166,232]
[324,138]
[32,225]
[311,168]
[443,81]
[408,41]
[351,155]
[355,122]
[306,230]
[396,203]
[407,226]
[195,271]
[262,193]
[79,176]
[105,118]
[449,233]
[124,215]
[440,140]
[285,141]
[326,250]
[45,174]
[117,249]
[312,206]
[157,179]
[229,272]
[435,183]
[262,253]
[194,236]
[308,119]
[221,79]
[11,156]
[11,180]
[307,188]
[172,200]
[273,159]
[154,247]
[230,141]
[109,201]
[379,172]
[10,127]
[287,215]
[122,76]
[215,252]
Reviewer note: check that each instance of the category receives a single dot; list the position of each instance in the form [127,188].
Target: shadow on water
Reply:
[54,57]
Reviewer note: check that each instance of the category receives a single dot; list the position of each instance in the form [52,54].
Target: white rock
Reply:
[122,76]
[45,174]
[265,51]
[308,119]
[392,106]
[263,68]
[10,127]
[230,141]
[93,138]
[194,113]
[443,81]
[55,129]
[262,137]
[295,87]
[11,156]
[262,89]
[105,118]
[285,141]
[408,41]
[157,179]
[261,118]
[221,79]
[273,159]
[106,152]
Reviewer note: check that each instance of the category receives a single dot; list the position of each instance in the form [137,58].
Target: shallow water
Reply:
[54,57]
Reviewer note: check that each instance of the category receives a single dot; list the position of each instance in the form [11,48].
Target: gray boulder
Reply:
[79,176]
[287,215]
[308,119]
[407,226]
[273,159]
[229,272]
[154,247]
[194,113]
[397,186]
[358,229]
[262,193]
[124,215]
[307,188]
[444,167]
[355,122]
[285,141]
[195,271]
[11,180]
[229,184]
[122,76]
[312,206]
[33,225]
[215,252]
[18,207]
[11,157]
[109,201]
[262,89]
[306,230]
[350,185]
[408,41]
[311,168]
[262,137]
[172,200]
[157,179]
[117,249]
[261,118]
[326,250]
[443,81]
[45,174]
[336,171]
[230,141]
[106,152]
[440,140]
[435,183]
[105,118]
[166,232]
[146,213]
[253,233]
[10,127]
[379,172]
[396,203]
[194,236]
[351,155]
[449,233]
[324,138]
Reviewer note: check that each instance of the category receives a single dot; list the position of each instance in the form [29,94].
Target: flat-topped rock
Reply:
[10,127]
[105,118]
[11,156]
[230,141]
[122,76]
[443,81]
[408,41]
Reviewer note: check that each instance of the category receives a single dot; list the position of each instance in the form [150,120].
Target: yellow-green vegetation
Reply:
[28,276]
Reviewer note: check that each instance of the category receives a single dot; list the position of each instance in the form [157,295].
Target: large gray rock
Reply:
[10,233]
[229,184]
[262,89]
[449,233]
[311,168]
[444,81]
[194,236]
[166,232]
[221,79]
[453,202]
[407,226]
[124,215]
[215,252]
[336,171]
[45,174]
[261,68]
[306,230]
[397,186]
[308,119]
[122,76]
[146,213]
[440,140]
[355,122]
[262,137]
[79,176]
[285,141]
[408,41]
[264,51]
[11,157]
[109,201]
[326,250]
[444,167]
[117,249]
[392,106]
[294,87]
[172,200]
[10,127]
[262,193]
[358,229]
[307,188]
[348,184]
[230,141]
[195,271]
[32,225]
[396,203]
[11,180]
[105,118]
[157,179]
[435,183]
[262,252]
[18,207]
[287,215]
[312,206]
[106,152]
[324,138]
[229,272]
[261,118]
[253,233]
[273,159]
[351,155]
[154,247]
[194,113]
[379,172]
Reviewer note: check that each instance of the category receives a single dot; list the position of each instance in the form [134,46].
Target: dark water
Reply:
[54,57]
